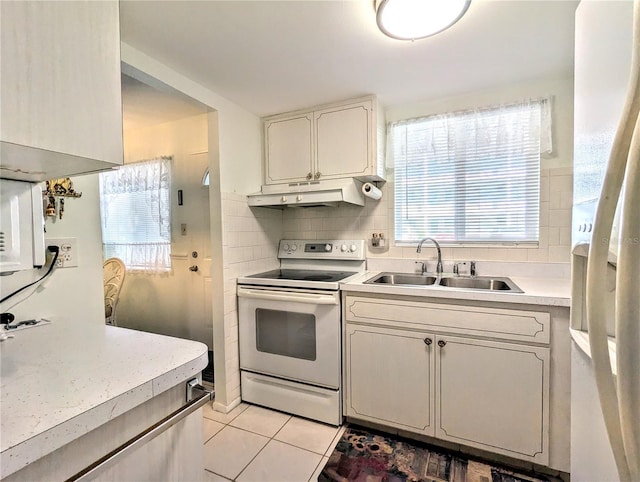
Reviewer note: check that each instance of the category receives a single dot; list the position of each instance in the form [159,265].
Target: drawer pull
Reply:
[198,397]
[441,343]
[428,341]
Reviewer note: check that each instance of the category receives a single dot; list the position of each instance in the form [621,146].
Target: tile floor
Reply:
[255,444]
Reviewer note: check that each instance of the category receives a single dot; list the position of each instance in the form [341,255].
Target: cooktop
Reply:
[304,275]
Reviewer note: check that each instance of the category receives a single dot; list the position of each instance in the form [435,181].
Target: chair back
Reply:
[114,271]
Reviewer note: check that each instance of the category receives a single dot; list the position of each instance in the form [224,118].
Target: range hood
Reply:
[309,194]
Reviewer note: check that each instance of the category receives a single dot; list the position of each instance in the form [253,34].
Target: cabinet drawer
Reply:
[515,325]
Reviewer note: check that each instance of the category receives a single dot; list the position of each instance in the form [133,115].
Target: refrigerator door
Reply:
[607,134]
[591,455]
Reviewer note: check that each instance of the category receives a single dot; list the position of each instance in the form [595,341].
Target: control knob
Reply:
[294,247]
[353,248]
[343,248]
[327,247]
[285,247]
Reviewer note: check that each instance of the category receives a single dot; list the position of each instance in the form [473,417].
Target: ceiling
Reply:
[144,106]
[276,56]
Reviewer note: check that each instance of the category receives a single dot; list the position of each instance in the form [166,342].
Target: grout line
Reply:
[216,473]
[254,457]
[297,447]
[316,469]
[335,440]
[336,437]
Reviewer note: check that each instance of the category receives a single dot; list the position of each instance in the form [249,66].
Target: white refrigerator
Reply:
[605,306]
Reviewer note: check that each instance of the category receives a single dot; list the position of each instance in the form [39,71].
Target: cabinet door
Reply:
[60,89]
[344,138]
[288,149]
[389,377]
[493,396]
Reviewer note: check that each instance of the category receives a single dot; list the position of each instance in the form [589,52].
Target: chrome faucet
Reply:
[419,250]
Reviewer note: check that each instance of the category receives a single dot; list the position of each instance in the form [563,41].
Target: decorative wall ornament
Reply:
[56,191]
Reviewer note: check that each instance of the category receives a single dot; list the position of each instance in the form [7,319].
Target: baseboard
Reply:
[219,407]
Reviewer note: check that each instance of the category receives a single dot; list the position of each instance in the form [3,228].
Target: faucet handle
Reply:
[423,266]
[472,267]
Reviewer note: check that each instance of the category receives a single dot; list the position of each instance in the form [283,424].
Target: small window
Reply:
[135,212]
[470,177]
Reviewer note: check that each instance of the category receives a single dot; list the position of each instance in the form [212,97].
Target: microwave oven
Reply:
[21,226]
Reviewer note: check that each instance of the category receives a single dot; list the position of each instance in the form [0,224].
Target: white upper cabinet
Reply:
[289,149]
[329,142]
[61,110]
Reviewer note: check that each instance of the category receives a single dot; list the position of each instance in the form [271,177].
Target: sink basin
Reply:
[402,279]
[484,283]
[481,283]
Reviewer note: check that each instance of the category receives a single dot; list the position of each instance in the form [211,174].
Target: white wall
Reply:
[69,294]
[235,157]
[174,303]
[240,143]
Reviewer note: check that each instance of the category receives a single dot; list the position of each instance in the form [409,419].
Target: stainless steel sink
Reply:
[481,283]
[402,279]
[484,283]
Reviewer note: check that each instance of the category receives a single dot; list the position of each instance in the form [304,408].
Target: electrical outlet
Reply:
[68,251]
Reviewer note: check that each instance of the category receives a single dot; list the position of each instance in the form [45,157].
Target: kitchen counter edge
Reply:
[536,291]
[163,362]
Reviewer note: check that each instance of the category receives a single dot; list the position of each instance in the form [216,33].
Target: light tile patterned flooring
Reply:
[255,444]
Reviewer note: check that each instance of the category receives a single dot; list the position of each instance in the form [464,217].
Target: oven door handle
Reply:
[316,299]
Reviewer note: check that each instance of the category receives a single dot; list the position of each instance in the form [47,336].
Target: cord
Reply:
[53,249]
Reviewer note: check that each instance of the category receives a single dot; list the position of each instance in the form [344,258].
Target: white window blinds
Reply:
[470,177]
[135,212]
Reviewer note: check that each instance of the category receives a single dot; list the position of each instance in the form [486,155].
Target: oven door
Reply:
[293,334]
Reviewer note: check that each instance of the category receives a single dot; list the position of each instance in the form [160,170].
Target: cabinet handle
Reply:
[441,343]
[318,174]
[201,398]
[309,176]
[428,341]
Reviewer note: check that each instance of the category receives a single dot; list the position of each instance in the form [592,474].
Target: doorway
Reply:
[160,122]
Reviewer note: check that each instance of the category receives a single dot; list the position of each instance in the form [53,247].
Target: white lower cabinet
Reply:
[390,377]
[482,393]
[493,396]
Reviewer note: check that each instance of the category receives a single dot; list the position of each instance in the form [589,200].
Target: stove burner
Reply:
[318,277]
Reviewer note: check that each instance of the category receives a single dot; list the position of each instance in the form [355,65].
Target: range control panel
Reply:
[322,249]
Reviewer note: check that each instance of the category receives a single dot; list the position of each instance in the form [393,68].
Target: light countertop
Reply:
[536,291]
[64,379]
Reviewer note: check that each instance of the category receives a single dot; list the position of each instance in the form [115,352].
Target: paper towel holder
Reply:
[371,191]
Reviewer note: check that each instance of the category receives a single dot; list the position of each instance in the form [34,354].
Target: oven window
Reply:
[286,333]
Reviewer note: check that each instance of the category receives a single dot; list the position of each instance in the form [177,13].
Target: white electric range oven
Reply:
[290,328]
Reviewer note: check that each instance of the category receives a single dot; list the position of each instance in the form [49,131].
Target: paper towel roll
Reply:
[371,191]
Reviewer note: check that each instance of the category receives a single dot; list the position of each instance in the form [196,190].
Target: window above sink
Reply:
[471,176]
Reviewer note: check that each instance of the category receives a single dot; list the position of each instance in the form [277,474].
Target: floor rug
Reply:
[364,455]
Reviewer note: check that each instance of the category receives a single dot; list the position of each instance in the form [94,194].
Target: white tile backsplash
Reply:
[556,193]
[249,245]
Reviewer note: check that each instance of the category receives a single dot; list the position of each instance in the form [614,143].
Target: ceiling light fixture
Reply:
[417,19]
